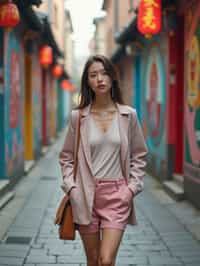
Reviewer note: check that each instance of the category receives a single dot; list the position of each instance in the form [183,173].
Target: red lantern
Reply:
[46,56]
[66,85]
[9,15]
[149,16]
[57,71]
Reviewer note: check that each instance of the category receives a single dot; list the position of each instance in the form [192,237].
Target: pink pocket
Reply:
[125,194]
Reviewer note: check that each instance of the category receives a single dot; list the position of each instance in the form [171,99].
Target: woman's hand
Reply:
[126,194]
[71,192]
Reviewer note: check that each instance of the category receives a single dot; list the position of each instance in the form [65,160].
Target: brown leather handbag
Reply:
[64,215]
[64,218]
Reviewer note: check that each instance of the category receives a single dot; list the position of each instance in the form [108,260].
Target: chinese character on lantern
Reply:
[149,16]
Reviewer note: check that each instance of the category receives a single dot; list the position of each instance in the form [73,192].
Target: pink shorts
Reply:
[112,206]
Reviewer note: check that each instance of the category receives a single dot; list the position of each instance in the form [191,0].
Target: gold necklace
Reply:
[104,114]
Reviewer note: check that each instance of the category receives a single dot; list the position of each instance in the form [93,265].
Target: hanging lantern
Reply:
[46,56]
[57,71]
[9,15]
[149,17]
[66,85]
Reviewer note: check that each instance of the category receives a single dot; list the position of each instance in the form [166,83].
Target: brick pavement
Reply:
[160,239]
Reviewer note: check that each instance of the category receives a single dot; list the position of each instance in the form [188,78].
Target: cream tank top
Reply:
[105,150]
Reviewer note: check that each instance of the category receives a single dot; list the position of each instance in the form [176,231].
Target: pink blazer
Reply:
[133,154]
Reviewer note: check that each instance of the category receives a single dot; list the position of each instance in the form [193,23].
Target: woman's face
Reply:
[98,79]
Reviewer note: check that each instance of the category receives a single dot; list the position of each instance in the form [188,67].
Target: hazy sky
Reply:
[82,13]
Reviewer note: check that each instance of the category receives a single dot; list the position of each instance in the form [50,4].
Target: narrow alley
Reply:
[165,234]
[131,67]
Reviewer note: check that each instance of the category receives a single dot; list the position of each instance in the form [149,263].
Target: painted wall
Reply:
[2,133]
[36,102]
[153,104]
[192,102]
[46,106]
[13,104]
[66,107]
[136,92]
[61,105]
[53,101]
[49,88]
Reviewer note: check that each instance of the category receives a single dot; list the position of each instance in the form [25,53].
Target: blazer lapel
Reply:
[123,118]
[84,133]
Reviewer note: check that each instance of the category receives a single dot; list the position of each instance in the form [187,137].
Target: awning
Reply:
[118,53]
[35,2]
[127,34]
[28,2]
[47,37]
[32,21]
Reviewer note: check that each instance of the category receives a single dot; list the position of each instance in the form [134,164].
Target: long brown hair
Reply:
[87,95]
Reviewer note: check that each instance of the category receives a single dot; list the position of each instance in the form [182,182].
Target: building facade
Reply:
[160,78]
[34,107]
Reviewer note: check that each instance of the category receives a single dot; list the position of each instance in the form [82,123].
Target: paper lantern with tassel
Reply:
[9,15]
[149,17]
[46,56]
[57,71]
[66,85]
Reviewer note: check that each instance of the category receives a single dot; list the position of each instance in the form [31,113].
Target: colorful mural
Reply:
[48,106]
[14,145]
[2,144]
[192,104]
[60,108]
[36,99]
[53,100]
[154,97]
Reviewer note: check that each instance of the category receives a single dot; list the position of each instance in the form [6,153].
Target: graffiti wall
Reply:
[192,94]
[13,103]
[153,107]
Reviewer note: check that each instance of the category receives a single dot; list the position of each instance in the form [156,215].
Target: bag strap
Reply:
[77,141]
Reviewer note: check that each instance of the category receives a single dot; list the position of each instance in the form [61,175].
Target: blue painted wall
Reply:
[36,101]
[67,97]
[2,143]
[153,104]
[13,105]
[137,86]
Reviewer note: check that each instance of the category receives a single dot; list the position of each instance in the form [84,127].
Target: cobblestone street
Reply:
[164,235]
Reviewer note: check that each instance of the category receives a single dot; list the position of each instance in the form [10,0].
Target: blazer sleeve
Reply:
[66,156]
[138,152]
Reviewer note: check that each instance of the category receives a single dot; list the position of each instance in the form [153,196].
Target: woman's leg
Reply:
[111,239]
[91,243]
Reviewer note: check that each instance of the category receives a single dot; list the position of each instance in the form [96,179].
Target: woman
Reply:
[111,161]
